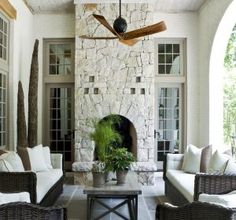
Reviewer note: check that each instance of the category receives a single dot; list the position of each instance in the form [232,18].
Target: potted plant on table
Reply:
[119,161]
[104,135]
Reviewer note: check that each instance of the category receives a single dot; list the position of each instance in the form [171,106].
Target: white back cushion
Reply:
[230,167]
[218,162]
[47,157]
[12,162]
[5,166]
[192,159]
[36,157]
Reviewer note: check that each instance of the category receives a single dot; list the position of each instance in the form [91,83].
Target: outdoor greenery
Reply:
[230,89]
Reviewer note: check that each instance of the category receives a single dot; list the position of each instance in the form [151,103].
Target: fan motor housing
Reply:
[120,25]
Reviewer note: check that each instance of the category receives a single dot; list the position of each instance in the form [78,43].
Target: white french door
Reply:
[168,120]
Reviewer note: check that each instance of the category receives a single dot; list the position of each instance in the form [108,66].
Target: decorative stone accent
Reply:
[114,78]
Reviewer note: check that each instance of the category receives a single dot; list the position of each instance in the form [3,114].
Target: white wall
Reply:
[50,26]
[210,103]
[186,26]
[20,59]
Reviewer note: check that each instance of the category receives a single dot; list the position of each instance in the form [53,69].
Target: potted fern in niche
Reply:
[104,136]
[119,161]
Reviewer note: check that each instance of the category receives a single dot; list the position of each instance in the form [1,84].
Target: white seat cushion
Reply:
[45,180]
[184,182]
[228,200]
[14,197]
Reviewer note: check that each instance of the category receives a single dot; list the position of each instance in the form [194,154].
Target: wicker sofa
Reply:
[44,187]
[195,211]
[27,211]
[196,183]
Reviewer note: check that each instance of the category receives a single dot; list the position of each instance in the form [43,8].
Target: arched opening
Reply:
[127,132]
[216,68]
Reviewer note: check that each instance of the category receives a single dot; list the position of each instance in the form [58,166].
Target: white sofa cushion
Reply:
[14,197]
[12,162]
[5,166]
[218,162]
[184,182]
[45,180]
[230,167]
[228,200]
[47,157]
[174,161]
[36,157]
[192,159]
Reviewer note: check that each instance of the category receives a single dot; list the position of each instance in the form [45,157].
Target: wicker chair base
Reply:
[174,195]
[28,211]
[195,211]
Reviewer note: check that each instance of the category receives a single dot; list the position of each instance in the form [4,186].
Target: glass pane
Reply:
[168,48]
[168,58]
[67,69]
[67,60]
[60,59]
[61,70]
[53,49]
[1,24]
[176,48]
[67,49]
[60,49]
[5,27]
[161,69]
[1,38]
[161,48]
[161,58]
[52,59]
[52,69]
[175,68]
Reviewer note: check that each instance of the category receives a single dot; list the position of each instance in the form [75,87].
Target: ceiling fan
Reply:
[120,27]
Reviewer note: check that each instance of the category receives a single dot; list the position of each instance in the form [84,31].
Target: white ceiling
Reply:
[57,6]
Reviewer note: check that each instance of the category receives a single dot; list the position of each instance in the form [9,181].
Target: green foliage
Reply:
[230,57]
[104,135]
[119,159]
[230,107]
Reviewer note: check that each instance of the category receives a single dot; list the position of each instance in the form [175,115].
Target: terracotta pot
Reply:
[121,176]
[98,179]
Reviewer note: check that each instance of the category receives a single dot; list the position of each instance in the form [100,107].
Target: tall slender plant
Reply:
[33,98]
[104,136]
[21,124]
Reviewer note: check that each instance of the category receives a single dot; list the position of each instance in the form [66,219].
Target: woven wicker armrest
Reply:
[28,211]
[213,184]
[195,210]
[19,182]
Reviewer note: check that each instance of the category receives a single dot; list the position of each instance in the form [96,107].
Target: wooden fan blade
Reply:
[130,42]
[104,22]
[97,38]
[151,29]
